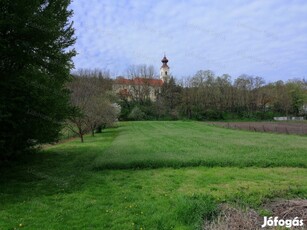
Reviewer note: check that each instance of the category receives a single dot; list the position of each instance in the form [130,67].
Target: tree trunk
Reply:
[93,132]
[80,134]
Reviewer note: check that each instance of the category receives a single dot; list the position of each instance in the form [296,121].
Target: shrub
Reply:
[137,114]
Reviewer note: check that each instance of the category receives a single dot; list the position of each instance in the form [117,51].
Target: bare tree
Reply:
[143,71]
[141,76]
[81,93]
[91,100]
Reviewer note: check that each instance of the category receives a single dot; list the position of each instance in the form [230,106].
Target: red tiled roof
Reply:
[139,81]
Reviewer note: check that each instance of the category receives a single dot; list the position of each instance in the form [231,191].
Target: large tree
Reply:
[35,63]
[170,97]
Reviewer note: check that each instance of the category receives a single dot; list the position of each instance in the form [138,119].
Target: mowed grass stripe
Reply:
[152,144]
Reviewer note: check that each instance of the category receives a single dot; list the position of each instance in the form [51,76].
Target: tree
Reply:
[100,113]
[90,99]
[137,114]
[35,64]
[141,76]
[222,93]
[81,92]
[243,86]
[297,95]
[281,99]
[170,97]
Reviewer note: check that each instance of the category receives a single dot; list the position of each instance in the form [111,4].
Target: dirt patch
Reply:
[299,128]
[289,209]
[233,218]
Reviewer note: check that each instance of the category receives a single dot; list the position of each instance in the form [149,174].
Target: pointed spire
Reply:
[164,60]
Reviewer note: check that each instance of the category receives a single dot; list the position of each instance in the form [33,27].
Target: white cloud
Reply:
[266,38]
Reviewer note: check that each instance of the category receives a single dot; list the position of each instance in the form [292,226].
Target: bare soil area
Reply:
[299,128]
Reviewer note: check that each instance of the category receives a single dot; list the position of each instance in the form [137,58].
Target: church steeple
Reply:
[164,70]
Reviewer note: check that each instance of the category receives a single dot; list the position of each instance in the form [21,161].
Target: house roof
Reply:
[139,81]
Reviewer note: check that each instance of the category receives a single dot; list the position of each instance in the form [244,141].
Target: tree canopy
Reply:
[35,64]
[206,96]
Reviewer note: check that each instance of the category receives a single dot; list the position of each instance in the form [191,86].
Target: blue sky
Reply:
[266,38]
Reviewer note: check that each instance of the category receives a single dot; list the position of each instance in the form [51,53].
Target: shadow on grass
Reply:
[47,172]
[154,164]
[45,175]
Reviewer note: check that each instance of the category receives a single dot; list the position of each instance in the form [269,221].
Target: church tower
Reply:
[164,70]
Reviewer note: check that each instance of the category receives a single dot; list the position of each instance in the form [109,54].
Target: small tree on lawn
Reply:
[91,102]
[77,123]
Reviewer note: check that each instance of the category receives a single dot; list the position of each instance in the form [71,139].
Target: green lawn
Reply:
[132,177]
[177,144]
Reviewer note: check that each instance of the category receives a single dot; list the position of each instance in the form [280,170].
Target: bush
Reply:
[213,115]
[137,114]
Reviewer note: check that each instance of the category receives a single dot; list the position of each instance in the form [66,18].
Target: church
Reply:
[140,88]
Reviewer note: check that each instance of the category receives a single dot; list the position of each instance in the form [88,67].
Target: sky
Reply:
[266,38]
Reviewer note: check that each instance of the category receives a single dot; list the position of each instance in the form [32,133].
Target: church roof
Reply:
[164,60]
[164,65]
[139,81]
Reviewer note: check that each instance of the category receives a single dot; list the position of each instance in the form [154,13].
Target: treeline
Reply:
[206,96]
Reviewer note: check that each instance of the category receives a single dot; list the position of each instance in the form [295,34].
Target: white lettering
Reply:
[270,221]
[264,222]
[275,221]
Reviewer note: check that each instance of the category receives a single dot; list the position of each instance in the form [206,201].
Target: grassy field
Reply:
[150,175]
[177,144]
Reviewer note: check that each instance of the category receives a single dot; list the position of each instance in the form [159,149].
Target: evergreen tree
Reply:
[171,95]
[35,63]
